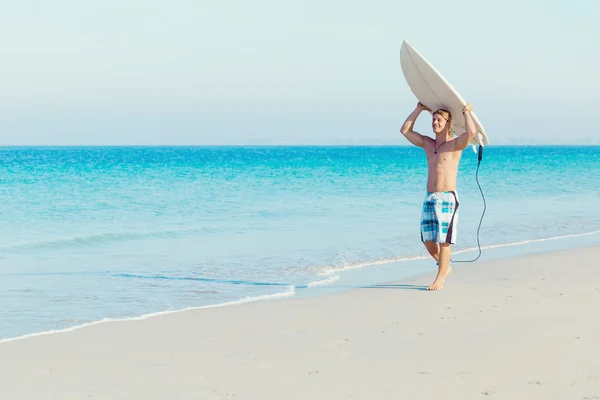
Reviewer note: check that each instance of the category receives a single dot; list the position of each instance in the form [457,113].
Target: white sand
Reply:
[526,328]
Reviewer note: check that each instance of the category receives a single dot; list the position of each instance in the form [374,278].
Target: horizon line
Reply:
[3,146]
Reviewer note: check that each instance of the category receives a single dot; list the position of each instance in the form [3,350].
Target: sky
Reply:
[291,72]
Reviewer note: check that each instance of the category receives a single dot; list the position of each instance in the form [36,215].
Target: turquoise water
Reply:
[108,232]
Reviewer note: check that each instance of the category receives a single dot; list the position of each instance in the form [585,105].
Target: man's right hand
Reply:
[422,107]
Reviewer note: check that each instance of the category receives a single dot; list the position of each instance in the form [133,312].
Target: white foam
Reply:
[327,281]
[289,293]
[492,246]
[330,270]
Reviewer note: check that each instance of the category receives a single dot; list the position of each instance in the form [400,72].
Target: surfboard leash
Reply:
[479,157]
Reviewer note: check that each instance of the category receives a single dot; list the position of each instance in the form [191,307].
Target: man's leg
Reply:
[446,213]
[433,248]
[443,267]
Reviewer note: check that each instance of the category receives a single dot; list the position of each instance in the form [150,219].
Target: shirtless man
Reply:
[439,216]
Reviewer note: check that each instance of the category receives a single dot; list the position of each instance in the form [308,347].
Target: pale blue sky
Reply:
[281,72]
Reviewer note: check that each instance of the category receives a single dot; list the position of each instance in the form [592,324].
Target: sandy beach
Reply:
[523,328]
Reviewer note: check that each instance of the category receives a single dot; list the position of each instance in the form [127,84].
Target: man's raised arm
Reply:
[407,128]
[463,140]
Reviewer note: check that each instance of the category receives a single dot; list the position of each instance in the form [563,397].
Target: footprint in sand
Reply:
[591,376]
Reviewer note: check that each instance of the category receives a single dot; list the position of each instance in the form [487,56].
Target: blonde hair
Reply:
[448,117]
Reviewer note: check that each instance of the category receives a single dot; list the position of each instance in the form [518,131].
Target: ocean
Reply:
[102,233]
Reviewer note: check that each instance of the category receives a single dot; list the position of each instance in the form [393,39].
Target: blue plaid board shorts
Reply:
[439,217]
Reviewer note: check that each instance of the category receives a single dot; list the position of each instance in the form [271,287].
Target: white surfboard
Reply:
[434,91]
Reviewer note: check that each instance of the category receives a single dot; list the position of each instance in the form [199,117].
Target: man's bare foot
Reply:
[438,284]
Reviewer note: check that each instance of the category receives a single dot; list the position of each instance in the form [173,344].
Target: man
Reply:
[439,216]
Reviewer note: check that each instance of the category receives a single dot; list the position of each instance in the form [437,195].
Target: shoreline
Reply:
[331,277]
[517,328]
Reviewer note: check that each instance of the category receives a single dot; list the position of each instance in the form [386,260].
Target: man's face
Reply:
[439,123]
